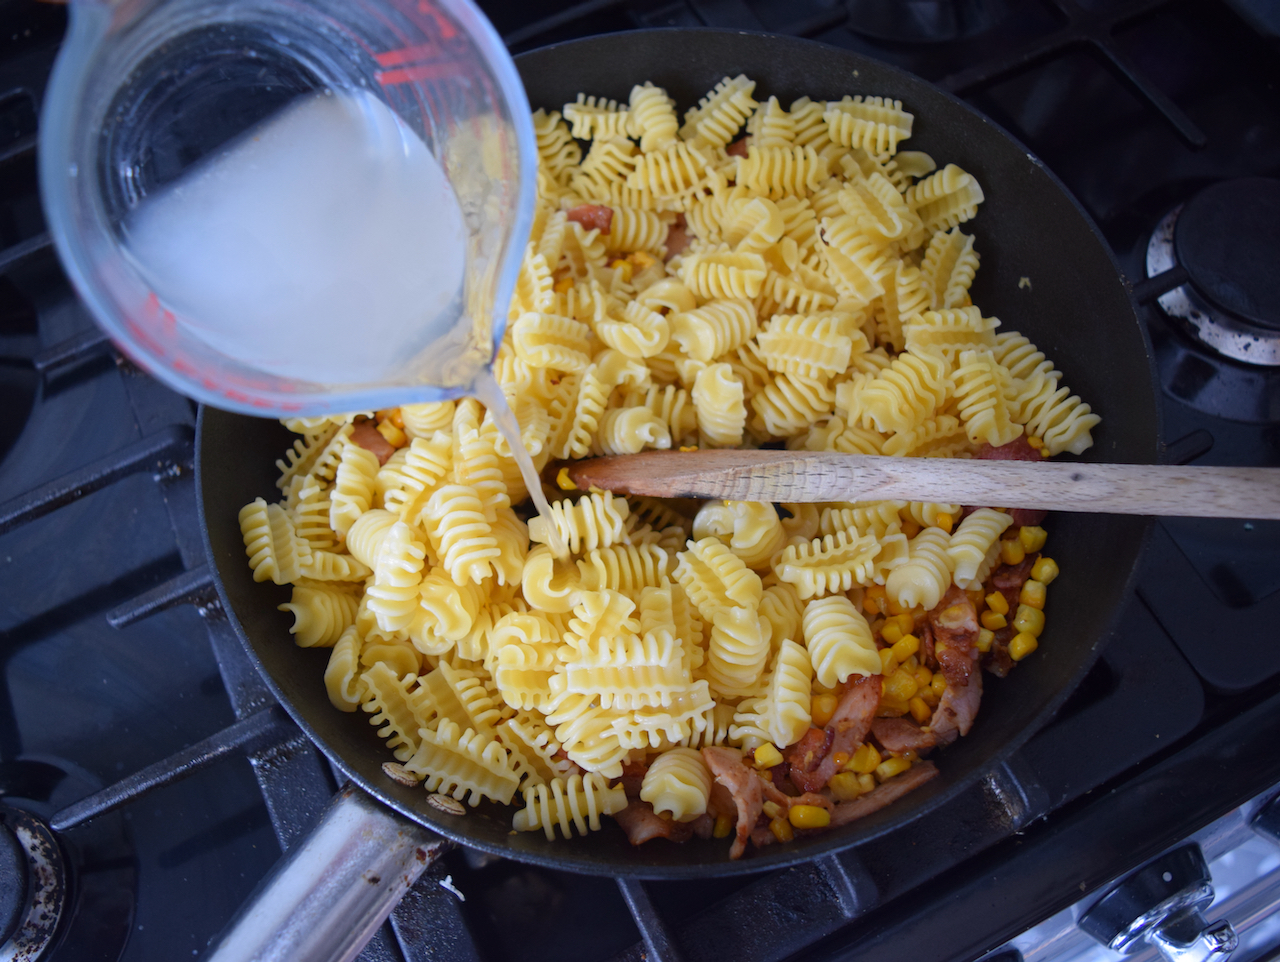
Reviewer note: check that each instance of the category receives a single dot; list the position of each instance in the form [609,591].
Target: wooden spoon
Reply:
[751,475]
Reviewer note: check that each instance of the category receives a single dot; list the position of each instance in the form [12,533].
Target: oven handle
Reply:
[324,900]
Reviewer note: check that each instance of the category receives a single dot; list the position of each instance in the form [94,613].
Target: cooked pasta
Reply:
[742,274]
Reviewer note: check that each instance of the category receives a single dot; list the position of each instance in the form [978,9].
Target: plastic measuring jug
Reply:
[291,207]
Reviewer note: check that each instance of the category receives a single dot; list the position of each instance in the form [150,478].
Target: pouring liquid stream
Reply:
[331,212]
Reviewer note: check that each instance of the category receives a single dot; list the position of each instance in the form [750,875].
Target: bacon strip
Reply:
[955,630]
[957,709]
[1016,450]
[678,239]
[366,435]
[1009,579]
[642,824]
[592,217]
[745,786]
[883,794]
[773,794]
[902,735]
[847,730]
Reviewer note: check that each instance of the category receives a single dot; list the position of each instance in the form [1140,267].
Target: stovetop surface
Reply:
[1134,104]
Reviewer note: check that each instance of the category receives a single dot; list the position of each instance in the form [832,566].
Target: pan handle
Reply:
[327,896]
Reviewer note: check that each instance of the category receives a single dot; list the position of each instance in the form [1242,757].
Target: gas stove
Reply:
[148,782]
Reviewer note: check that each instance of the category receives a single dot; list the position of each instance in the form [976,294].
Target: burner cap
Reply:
[13,883]
[1228,239]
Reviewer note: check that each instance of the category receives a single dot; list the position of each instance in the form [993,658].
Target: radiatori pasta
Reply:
[806,284]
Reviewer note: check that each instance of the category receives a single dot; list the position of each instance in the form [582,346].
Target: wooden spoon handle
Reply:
[1206,492]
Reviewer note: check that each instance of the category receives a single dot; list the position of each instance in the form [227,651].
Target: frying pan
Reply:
[1046,272]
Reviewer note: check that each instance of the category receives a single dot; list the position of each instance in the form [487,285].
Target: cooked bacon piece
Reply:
[902,735]
[1009,579]
[642,824]
[807,754]
[926,653]
[745,785]
[955,630]
[774,794]
[778,777]
[848,729]
[957,709]
[678,239]
[997,660]
[366,436]
[632,777]
[592,217]
[738,148]
[1016,450]
[703,826]
[883,794]
[721,802]
[1027,516]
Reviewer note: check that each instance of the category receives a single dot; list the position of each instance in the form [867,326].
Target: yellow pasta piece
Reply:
[342,674]
[790,402]
[461,536]
[778,172]
[396,703]
[752,530]
[781,715]
[464,764]
[925,577]
[945,199]
[983,389]
[972,545]
[906,394]
[576,802]
[546,340]
[321,614]
[839,641]
[875,124]
[829,564]
[271,542]
[677,783]
[717,403]
[715,578]
[948,269]
[737,653]
[810,346]
[596,521]
[595,118]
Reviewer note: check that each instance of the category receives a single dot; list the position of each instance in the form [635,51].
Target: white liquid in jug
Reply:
[325,245]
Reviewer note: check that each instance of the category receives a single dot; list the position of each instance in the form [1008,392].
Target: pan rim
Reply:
[781,856]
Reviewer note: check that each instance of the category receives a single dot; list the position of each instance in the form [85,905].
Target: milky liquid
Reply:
[325,245]
[487,392]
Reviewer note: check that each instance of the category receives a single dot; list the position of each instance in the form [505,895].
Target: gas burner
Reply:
[64,896]
[33,885]
[924,21]
[1227,239]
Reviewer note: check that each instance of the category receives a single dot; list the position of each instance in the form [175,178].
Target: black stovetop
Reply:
[1135,105]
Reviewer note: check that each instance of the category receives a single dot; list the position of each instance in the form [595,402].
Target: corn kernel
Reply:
[767,756]
[892,607]
[395,437]
[906,621]
[865,759]
[905,647]
[891,707]
[781,829]
[993,620]
[900,686]
[844,786]
[873,600]
[564,482]
[920,711]
[724,825]
[911,664]
[772,809]
[891,632]
[1032,593]
[985,637]
[821,708]
[1012,552]
[939,683]
[840,758]
[911,527]
[887,662]
[392,415]
[910,756]
[1032,537]
[624,267]
[1044,570]
[923,676]
[809,816]
[866,783]
[890,767]
[928,696]
[998,603]
[943,521]
[1030,620]
[1022,645]
[1035,442]
[641,259]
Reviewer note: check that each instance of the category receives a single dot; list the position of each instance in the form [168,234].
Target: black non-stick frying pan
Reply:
[1045,271]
